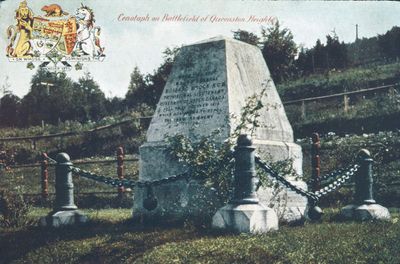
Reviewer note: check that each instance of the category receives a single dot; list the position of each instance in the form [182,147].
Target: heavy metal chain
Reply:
[346,174]
[128,183]
[286,183]
[332,175]
[124,182]
[50,160]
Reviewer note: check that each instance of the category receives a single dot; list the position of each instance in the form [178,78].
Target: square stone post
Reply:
[244,214]
[65,211]
[364,208]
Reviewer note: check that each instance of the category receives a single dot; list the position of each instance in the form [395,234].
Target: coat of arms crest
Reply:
[56,37]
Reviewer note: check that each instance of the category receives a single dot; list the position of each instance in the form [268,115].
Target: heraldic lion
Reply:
[24,17]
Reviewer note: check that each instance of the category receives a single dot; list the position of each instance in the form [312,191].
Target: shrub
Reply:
[13,209]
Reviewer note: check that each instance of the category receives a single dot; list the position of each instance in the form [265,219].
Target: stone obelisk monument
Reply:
[209,84]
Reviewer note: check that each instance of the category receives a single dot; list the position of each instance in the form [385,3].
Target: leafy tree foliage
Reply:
[323,57]
[9,105]
[147,89]
[53,98]
[246,36]
[390,43]
[279,51]
[90,99]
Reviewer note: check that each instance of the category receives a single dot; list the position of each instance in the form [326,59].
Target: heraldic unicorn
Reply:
[54,36]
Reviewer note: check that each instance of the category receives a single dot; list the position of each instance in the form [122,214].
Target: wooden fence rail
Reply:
[391,87]
[72,133]
[33,165]
[340,94]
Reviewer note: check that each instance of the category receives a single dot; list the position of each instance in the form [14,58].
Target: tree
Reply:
[336,53]
[49,99]
[389,43]
[55,97]
[9,106]
[279,51]
[137,85]
[246,36]
[89,99]
[147,89]
[319,55]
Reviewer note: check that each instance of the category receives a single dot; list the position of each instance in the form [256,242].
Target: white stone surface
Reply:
[289,206]
[246,218]
[208,86]
[63,218]
[366,212]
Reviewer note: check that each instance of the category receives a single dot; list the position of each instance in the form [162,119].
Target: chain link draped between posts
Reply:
[336,179]
[128,183]
[124,182]
[341,176]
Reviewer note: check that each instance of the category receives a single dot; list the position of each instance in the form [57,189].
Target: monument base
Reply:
[63,218]
[246,218]
[365,212]
[289,206]
[176,201]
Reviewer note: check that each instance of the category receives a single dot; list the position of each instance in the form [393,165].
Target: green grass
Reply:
[340,81]
[112,238]
[368,112]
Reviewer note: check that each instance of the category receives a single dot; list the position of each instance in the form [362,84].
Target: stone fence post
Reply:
[245,183]
[65,211]
[363,193]
[245,214]
[64,184]
[364,207]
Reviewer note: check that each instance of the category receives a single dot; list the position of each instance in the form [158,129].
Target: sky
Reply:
[140,43]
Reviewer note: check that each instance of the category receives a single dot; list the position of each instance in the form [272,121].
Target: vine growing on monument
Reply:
[211,161]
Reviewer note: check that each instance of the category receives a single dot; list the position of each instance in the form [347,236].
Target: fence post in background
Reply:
[315,162]
[303,109]
[365,208]
[45,176]
[120,169]
[65,212]
[346,103]
[244,214]
[33,144]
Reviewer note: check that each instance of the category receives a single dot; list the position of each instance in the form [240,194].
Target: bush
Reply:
[13,209]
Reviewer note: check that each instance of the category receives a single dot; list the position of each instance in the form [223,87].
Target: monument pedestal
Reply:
[365,212]
[246,218]
[289,205]
[206,91]
[63,218]
[176,200]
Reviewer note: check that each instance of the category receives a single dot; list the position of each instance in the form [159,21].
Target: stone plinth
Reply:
[208,86]
[365,212]
[246,218]
[63,218]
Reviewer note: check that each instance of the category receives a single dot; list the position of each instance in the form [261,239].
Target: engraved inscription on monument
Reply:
[195,98]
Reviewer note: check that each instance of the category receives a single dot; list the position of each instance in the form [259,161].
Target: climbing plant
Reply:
[212,161]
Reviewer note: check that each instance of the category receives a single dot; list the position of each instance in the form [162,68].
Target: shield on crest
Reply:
[53,34]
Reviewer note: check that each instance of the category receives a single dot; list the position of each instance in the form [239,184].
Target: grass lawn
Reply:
[112,238]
